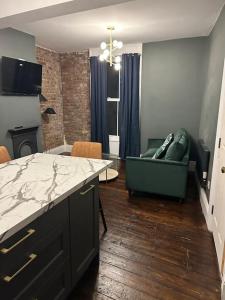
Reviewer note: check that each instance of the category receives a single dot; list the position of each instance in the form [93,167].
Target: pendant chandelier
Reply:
[109,49]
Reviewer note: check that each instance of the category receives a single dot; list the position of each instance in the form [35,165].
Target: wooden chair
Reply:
[4,155]
[90,150]
[87,149]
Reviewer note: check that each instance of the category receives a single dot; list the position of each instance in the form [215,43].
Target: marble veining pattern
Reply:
[31,185]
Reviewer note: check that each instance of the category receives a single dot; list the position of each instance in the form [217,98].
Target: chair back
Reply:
[4,155]
[87,149]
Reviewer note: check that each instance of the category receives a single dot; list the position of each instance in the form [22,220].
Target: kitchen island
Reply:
[48,224]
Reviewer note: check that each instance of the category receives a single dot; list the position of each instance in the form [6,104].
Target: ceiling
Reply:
[135,21]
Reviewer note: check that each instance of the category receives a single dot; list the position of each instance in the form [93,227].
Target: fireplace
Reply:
[24,140]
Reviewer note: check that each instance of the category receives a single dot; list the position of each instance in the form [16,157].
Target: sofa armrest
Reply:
[157,176]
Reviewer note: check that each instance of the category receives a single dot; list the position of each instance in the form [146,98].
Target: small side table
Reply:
[111,173]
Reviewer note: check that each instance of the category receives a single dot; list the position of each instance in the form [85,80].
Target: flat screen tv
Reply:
[19,77]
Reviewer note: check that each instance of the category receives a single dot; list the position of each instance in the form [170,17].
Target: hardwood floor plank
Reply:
[160,271]
[153,289]
[143,248]
[155,248]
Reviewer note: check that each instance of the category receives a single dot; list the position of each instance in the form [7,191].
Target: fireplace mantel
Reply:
[21,129]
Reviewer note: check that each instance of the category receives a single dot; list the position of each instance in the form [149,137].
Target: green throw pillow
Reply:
[162,149]
[149,153]
[175,151]
[180,133]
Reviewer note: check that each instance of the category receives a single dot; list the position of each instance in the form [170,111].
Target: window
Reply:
[113,91]
[112,82]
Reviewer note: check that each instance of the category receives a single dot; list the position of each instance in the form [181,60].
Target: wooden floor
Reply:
[155,248]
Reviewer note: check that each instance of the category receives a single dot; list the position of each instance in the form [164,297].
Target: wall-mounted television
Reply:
[19,77]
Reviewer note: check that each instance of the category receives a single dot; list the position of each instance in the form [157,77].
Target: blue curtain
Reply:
[99,132]
[129,106]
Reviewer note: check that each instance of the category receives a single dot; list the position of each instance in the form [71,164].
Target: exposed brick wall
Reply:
[75,91]
[53,130]
[65,85]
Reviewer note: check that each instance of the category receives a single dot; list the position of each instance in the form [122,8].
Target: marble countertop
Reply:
[31,185]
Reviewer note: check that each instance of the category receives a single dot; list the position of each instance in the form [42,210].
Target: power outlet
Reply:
[208,184]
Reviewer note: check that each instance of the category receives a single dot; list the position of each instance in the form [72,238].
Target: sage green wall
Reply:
[173,79]
[18,110]
[211,97]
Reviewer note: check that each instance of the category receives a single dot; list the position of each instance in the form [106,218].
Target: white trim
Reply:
[223,289]
[113,99]
[204,203]
[216,151]
[59,149]
[68,148]
[44,48]
[56,150]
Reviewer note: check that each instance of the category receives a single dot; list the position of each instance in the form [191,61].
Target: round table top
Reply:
[108,174]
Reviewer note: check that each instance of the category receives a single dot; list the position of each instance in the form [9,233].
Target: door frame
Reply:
[214,177]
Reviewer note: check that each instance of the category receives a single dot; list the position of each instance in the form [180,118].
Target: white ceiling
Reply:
[135,21]
[9,7]
[12,14]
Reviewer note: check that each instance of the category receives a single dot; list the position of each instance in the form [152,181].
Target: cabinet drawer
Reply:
[15,249]
[52,284]
[28,262]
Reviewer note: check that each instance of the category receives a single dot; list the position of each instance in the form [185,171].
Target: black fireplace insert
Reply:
[24,140]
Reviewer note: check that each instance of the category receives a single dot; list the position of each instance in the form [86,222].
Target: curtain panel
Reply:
[99,129]
[129,106]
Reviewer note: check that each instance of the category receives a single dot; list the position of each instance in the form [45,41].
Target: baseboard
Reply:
[204,203]
[59,149]
[223,289]
[68,148]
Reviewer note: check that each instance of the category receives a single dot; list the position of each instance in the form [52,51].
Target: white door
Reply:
[219,205]
[218,221]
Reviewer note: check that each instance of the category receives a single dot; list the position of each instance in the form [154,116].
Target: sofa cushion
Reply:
[183,140]
[181,132]
[175,152]
[178,148]
[149,153]
[162,149]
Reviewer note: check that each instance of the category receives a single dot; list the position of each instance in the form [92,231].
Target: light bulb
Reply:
[119,44]
[117,67]
[115,42]
[106,53]
[103,45]
[101,57]
[117,59]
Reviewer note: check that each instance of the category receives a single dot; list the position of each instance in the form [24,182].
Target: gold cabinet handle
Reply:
[29,233]
[223,169]
[10,278]
[85,192]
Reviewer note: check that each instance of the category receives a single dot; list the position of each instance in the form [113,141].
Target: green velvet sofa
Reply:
[159,176]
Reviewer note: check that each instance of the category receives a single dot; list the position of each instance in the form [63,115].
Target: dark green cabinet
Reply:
[84,228]
[53,283]
[44,260]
